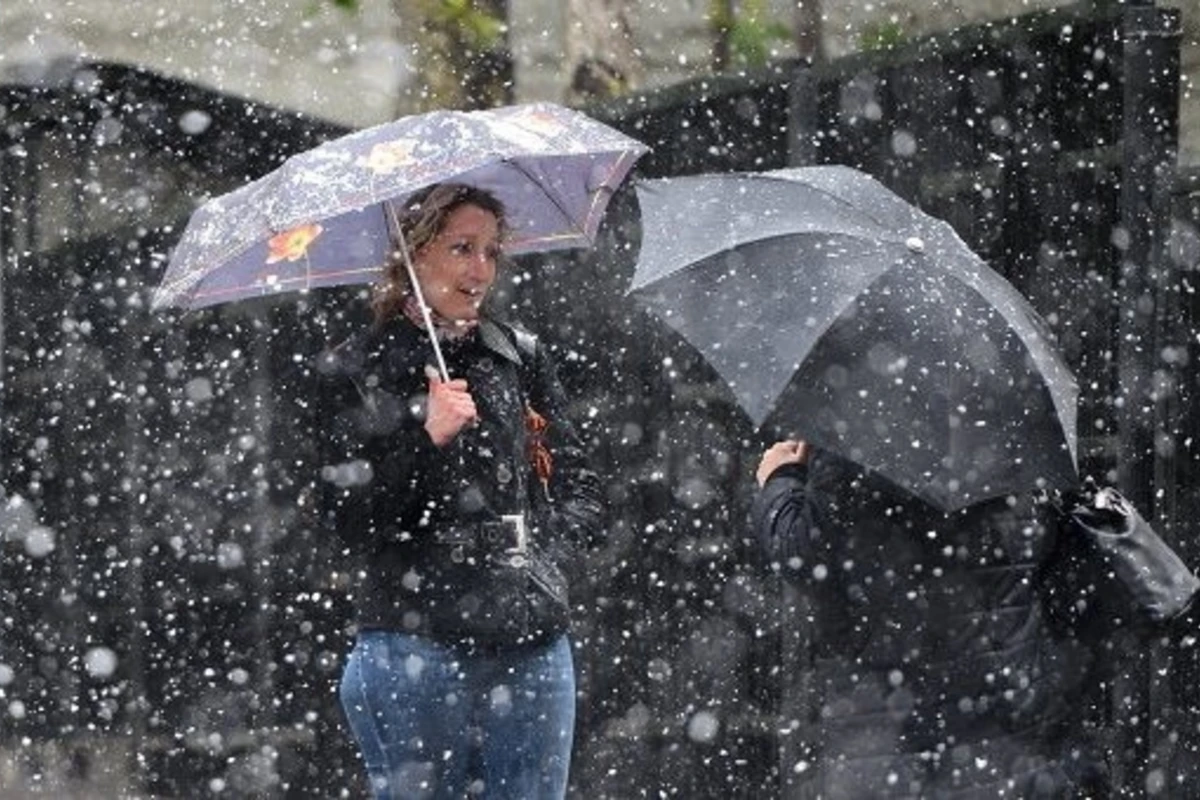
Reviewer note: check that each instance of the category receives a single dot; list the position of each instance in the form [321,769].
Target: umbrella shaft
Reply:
[416,287]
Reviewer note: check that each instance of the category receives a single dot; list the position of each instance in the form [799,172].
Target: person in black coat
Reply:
[949,652]
[469,502]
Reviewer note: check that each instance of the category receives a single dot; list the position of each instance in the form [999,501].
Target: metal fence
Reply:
[1049,143]
[172,619]
[169,623]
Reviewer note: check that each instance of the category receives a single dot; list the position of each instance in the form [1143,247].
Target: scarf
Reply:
[447,330]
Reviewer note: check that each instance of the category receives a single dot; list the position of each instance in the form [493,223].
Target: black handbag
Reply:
[1109,567]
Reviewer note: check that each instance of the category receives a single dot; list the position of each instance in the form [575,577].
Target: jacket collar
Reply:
[490,332]
[495,339]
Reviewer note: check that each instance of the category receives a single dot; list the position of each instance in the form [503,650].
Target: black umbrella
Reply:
[840,313]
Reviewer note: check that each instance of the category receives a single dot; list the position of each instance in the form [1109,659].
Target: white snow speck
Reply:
[100,662]
[703,726]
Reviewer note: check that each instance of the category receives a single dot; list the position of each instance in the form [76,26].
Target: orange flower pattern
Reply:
[539,121]
[390,156]
[292,245]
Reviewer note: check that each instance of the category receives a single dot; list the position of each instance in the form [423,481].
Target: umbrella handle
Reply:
[416,287]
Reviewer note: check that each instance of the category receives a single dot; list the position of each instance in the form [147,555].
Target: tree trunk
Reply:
[809,34]
[463,58]
[720,22]
[601,53]
[488,74]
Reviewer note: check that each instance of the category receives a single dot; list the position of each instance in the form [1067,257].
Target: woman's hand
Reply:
[450,409]
[788,451]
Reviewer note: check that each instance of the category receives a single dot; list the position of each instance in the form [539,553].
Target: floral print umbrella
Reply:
[320,218]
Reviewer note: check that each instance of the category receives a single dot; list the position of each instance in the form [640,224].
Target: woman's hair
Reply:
[421,218]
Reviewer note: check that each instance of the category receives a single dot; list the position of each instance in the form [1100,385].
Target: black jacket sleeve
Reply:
[376,452]
[790,516]
[782,516]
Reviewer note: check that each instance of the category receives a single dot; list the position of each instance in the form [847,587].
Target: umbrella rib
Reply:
[283,284]
[640,281]
[837,198]
[620,167]
[178,285]
[552,197]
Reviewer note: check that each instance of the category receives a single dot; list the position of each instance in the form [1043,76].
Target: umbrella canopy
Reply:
[839,313]
[320,218]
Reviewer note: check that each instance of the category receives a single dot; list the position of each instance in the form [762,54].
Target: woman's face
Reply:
[458,267]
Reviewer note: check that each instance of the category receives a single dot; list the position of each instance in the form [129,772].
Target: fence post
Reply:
[1149,136]
[1150,40]
[7,224]
[804,121]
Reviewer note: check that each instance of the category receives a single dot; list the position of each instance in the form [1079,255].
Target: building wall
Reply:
[354,69]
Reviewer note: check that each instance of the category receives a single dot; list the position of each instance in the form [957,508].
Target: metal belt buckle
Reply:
[520,542]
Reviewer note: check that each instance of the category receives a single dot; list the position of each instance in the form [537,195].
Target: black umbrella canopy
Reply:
[840,313]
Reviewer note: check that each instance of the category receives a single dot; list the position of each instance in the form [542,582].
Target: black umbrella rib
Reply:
[844,202]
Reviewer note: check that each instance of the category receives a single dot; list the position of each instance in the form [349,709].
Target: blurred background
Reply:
[172,616]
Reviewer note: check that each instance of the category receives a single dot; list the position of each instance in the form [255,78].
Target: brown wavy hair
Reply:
[421,218]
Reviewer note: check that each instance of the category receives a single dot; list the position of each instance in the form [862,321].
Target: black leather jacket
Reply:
[427,522]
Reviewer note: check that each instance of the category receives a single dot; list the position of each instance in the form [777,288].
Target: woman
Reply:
[469,500]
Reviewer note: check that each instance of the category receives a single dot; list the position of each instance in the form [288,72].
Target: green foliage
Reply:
[748,31]
[882,36]
[751,39]
[475,28]
[468,25]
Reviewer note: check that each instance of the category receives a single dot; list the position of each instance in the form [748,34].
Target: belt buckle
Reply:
[520,542]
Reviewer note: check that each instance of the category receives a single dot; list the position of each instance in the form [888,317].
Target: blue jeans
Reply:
[439,721]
